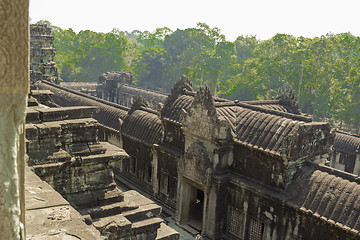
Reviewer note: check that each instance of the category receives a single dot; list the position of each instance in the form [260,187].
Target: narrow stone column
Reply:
[155,166]
[14,86]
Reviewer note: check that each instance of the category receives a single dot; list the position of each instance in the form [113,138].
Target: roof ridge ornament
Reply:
[139,102]
[287,96]
[182,85]
[204,97]
[204,93]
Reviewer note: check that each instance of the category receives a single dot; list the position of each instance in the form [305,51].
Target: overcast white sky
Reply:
[263,18]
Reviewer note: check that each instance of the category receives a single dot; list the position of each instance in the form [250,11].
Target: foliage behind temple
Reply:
[324,71]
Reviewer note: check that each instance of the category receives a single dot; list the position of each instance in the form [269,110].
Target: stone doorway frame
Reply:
[187,193]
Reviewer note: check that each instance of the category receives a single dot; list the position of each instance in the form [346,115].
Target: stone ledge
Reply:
[113,224]
[143,212]
[147,225]
[56,114]
[49,215]
[167,233]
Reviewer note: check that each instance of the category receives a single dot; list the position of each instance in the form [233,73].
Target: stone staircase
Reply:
[64,151]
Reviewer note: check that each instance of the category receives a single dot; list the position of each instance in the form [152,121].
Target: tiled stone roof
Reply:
[258,129]
[174,106]
[270,104]
[328,195]
[145,93]
[80,86]
[143,125]
[287,135]
[348,143]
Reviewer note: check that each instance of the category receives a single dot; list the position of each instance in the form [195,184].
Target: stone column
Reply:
[14,86]
[357,164]
[155,166]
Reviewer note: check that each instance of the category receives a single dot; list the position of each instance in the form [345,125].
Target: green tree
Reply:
[84,56]
[151,68]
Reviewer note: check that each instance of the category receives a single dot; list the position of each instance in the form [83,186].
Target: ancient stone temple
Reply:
[42,52]
[64,151]
[230,169]
[116,87]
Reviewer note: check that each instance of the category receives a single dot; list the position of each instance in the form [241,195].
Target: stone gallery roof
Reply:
[144,125]
[269,130]
[346,142]
[175,105]
[182,96]
[258,129]
[270,104]
[264,125]
[275,132]
[80,86]
[109,113]
[145,93]
[328,194]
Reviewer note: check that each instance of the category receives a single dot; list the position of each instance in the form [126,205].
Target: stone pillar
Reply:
[14,86]
[155,166]
[357,164]
[210,206]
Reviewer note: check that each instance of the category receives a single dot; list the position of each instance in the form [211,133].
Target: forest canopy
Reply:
[324,71]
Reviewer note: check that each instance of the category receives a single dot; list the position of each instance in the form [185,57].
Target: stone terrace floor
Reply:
[50,216]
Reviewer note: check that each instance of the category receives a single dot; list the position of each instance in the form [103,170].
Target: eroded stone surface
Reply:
[42,54]
[50,216]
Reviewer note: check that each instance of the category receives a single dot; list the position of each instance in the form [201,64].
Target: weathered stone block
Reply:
[32,116]
[56,114]
[148,226]
[97,148]
[143,212]
[167,233]
[79,149]
[104,177]
[33,145]
[45,130]
[48,169]
[39,157]
[119,225]
[31,132]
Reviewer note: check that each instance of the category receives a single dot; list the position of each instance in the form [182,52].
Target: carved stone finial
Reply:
[204,93]
[204,97]
[139,102]
[287,96]
[181,85]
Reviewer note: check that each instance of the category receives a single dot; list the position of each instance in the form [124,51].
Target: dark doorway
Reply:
[196,209]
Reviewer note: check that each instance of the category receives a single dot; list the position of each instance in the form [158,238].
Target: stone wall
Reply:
[14,86]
